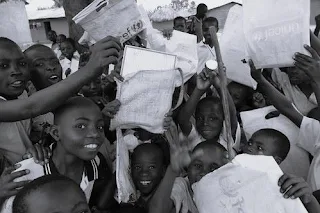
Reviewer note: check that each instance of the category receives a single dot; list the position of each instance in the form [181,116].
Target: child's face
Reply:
[52,199]
[81,131]
[60,39]
[210,160]
[261,144]
[52,36]
[297,76]
[209,120]
[238,94]
[14,73]
[67,49]
[206,32]
[45,67]
[92,89]
[180,25]
[147,170]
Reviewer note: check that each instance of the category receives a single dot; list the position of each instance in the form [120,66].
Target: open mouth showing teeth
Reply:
[54,77]
[145,183]
[91,146]
[17,83]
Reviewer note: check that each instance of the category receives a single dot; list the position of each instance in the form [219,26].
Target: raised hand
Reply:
[255,73]
[104,53]
[294,187]
[204,80]
[8,187]
[39,153]
[258,100]
[112,108]
[309,64]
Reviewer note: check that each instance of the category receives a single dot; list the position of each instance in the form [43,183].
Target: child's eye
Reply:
[198,166]
[101,128]
[260,148]
[81,126]
[23,64]
[152,167]
[39,65]
[137,167]
[250,143]
[4,66]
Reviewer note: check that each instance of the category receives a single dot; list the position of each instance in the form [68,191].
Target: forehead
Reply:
[10,51]
[88,112]
[146,155]
[54,199]
[210,108]
[210,155]
[265,139]
[41,52]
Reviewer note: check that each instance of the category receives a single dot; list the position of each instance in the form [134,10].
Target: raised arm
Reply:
[276,98]
[203,83]
[311,66]
[104,52]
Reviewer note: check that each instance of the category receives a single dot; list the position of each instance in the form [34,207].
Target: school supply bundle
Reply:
[275,30]
[14,22]
[118,18]
[147,89]
[297,161]
[233,49]
[247,184]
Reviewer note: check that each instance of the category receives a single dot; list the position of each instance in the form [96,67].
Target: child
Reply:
[268,142]
[51,194]
[205,162]
[79,132]
[180,24]
[206,49]
[148,169]
[309,128]
[196,21]
[70,57]
[240,95]
[44,66]
[207,23]
[52,36]
[209,116]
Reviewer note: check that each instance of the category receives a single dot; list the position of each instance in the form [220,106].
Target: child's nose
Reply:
[15,70]
[51,67]
[93,133]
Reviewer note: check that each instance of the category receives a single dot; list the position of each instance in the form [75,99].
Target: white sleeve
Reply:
[309,135]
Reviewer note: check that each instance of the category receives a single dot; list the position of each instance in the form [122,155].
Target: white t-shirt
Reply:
[73,64]
[309,139]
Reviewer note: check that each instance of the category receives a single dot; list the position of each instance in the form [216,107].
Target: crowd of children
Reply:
[56,107]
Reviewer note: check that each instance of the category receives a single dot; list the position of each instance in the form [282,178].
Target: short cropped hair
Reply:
[34,47]
[282,142]
[19,204]
[208,100]
[211,20]
[71,41]
[74,102]
[8,41]
[179,18]
[201,7]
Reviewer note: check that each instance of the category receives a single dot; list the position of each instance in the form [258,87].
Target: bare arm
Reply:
[104,53]
[276,98]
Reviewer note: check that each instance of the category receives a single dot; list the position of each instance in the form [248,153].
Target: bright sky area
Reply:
[148,4]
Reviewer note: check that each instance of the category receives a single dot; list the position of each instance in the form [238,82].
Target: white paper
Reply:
[233,49]
[297,161]
[248,184]
[118,18]
[136,59]
[14,22]
[145,97]
[275,30]
[36,171]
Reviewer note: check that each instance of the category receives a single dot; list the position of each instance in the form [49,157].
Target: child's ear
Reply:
[54,132]
[278,159]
